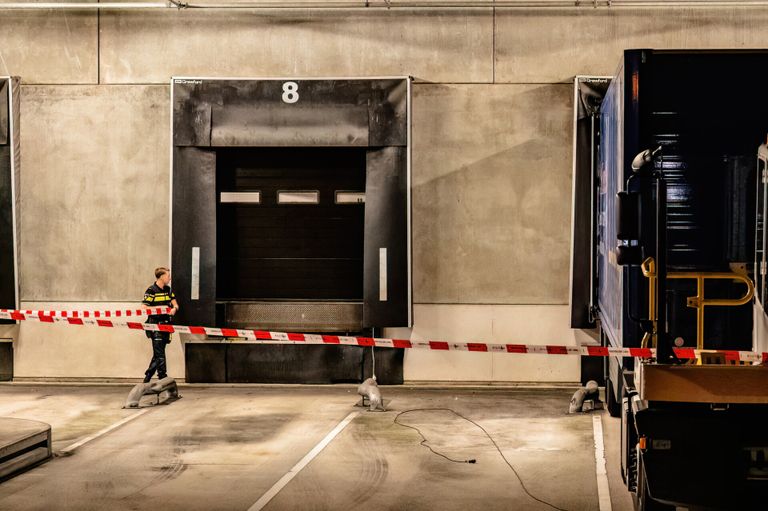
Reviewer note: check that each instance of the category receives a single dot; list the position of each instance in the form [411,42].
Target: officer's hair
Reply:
[159,272]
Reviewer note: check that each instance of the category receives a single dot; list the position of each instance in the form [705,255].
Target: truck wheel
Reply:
[643,501]
[611,403]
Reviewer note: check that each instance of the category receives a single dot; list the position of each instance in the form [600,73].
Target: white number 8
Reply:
[290,92]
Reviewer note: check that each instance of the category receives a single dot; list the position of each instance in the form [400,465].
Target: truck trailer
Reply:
[676,263]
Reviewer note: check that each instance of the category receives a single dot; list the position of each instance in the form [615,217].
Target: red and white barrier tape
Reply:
[265,337]
[125,313]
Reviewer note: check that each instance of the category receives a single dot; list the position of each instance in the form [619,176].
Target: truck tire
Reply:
[643,500]
[611,403]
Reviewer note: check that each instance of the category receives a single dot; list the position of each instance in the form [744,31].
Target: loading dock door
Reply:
[284,232]
[271,142]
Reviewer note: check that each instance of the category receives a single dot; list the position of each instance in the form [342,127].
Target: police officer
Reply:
[159,294]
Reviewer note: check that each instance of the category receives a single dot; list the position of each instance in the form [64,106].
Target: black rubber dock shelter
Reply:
[291,211]
[9,218]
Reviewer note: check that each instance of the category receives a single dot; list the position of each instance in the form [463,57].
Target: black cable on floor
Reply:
[424,439]
[424,443]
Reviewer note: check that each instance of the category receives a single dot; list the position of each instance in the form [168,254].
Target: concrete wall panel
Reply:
[95,183]
[51,351]
[455,46]
[546,45]
[491,193]
[518,324]
[49,47]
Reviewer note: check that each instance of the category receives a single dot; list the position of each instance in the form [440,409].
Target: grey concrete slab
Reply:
[380,465]
[17,434]
[546,46]
[454,46]
[23,444]
[94,214]
[491,193]
[49,47]
[223,447]
[213,449]
[72,412]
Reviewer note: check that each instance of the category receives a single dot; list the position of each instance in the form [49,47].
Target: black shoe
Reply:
[146,379]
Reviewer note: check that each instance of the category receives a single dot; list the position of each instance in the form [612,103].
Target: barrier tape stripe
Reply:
[266,337]
[91,314]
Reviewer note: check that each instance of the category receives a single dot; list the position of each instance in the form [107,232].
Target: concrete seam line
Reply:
[71,448]
[279,485]
[603,490]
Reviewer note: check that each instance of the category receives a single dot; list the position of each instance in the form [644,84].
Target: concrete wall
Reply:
[94,188]
[491,170]
[59,351]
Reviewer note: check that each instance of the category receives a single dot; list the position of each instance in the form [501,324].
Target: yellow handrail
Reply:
[698,302]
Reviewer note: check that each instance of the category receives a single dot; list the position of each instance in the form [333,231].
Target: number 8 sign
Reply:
[290,92]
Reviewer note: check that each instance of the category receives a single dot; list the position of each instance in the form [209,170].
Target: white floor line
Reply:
[279,485]
[71,448]
[603,491]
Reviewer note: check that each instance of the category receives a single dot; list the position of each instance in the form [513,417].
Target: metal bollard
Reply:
[369,389]
[134,396]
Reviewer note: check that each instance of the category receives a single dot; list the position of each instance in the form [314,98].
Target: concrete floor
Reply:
[222,448]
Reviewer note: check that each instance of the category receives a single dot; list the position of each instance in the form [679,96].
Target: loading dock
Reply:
[291,211]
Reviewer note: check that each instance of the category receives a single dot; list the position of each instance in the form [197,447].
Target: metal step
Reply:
[301,316]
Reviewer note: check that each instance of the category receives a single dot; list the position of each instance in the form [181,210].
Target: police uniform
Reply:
[155,296]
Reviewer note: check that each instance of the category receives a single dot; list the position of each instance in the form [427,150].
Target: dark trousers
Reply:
[159,341]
